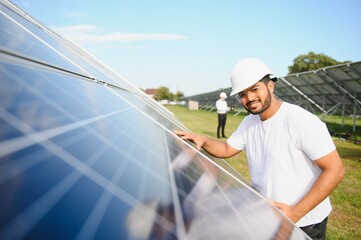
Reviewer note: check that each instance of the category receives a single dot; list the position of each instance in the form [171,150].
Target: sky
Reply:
[192,46]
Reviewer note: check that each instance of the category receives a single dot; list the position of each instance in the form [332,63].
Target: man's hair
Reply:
[267,78]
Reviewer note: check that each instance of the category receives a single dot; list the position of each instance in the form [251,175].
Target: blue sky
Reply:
[192,46]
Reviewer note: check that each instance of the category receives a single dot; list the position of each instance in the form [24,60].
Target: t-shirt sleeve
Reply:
[236,140]
[314,137]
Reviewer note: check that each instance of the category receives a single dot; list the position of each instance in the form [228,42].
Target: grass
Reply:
[345,219]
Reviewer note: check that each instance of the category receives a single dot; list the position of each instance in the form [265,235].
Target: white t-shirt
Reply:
[280,151]
[221,106]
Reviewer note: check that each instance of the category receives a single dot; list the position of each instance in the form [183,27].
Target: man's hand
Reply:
[214,147]
[199,140]
[288,210]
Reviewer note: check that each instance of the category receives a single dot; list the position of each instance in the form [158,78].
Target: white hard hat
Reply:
[223,95]
[248,72]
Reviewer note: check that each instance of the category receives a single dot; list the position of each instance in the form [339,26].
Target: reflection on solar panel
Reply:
[84,154]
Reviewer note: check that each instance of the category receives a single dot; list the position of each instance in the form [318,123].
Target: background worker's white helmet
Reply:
[223,95]
[248,72]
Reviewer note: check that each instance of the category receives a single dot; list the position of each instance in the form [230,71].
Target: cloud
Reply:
[89,34]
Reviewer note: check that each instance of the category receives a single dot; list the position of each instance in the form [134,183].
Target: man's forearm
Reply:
[322,188]
[218,149]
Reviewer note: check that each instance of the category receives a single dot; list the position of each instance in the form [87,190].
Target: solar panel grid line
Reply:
[65,112]
[46,44]
[325,76]
[45,98]
[21,224]
[310,99]
[33,137]
[344,87]
[9,170]
[85,170]
[139,216]
[180,228]
[17,58]
[160,109]
[77,53]
[355,69]
[11,6]
[124,152]
[339,82]
[342,91]
[91,59]
[77,49]
[301,93]
[14,8]
[180,126]
[313,91]
[286,95]
[89,228]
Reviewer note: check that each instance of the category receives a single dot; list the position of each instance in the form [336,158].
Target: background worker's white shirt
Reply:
[221,106]
[280,151]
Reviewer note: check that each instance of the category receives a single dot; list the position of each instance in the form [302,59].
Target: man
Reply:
[222,109]
[291,156]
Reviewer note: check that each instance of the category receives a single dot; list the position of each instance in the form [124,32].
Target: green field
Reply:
[345,219]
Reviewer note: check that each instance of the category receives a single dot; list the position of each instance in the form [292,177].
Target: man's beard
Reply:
[265,105]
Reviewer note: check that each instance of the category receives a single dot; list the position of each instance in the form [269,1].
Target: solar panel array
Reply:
[331,89]
[84,154]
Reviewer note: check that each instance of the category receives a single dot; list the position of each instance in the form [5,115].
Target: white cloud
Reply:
[90,34]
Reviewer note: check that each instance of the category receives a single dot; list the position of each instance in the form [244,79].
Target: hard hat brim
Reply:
[237,90]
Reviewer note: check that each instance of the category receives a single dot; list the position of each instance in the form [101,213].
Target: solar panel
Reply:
[86,155]
[337,87]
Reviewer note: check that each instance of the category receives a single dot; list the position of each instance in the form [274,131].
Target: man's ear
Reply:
[271,86]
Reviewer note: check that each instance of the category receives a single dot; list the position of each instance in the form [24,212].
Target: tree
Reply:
[162,93]
[178,95]
[311,61]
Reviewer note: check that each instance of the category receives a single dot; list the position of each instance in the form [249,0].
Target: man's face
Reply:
[256,99]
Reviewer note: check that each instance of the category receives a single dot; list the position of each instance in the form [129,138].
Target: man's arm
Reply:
[332,174]
[215,148]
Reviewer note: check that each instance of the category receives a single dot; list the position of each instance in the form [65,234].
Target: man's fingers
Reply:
[182,134]
[198,147]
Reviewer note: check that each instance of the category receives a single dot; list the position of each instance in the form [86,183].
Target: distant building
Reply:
[193,105]
[151,92]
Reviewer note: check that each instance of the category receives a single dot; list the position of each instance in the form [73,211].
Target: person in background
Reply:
[291,156]
[222,109]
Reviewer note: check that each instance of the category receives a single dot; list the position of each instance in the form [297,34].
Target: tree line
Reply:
[164,93]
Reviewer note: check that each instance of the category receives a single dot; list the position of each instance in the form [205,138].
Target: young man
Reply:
[291,156]
[222,110]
